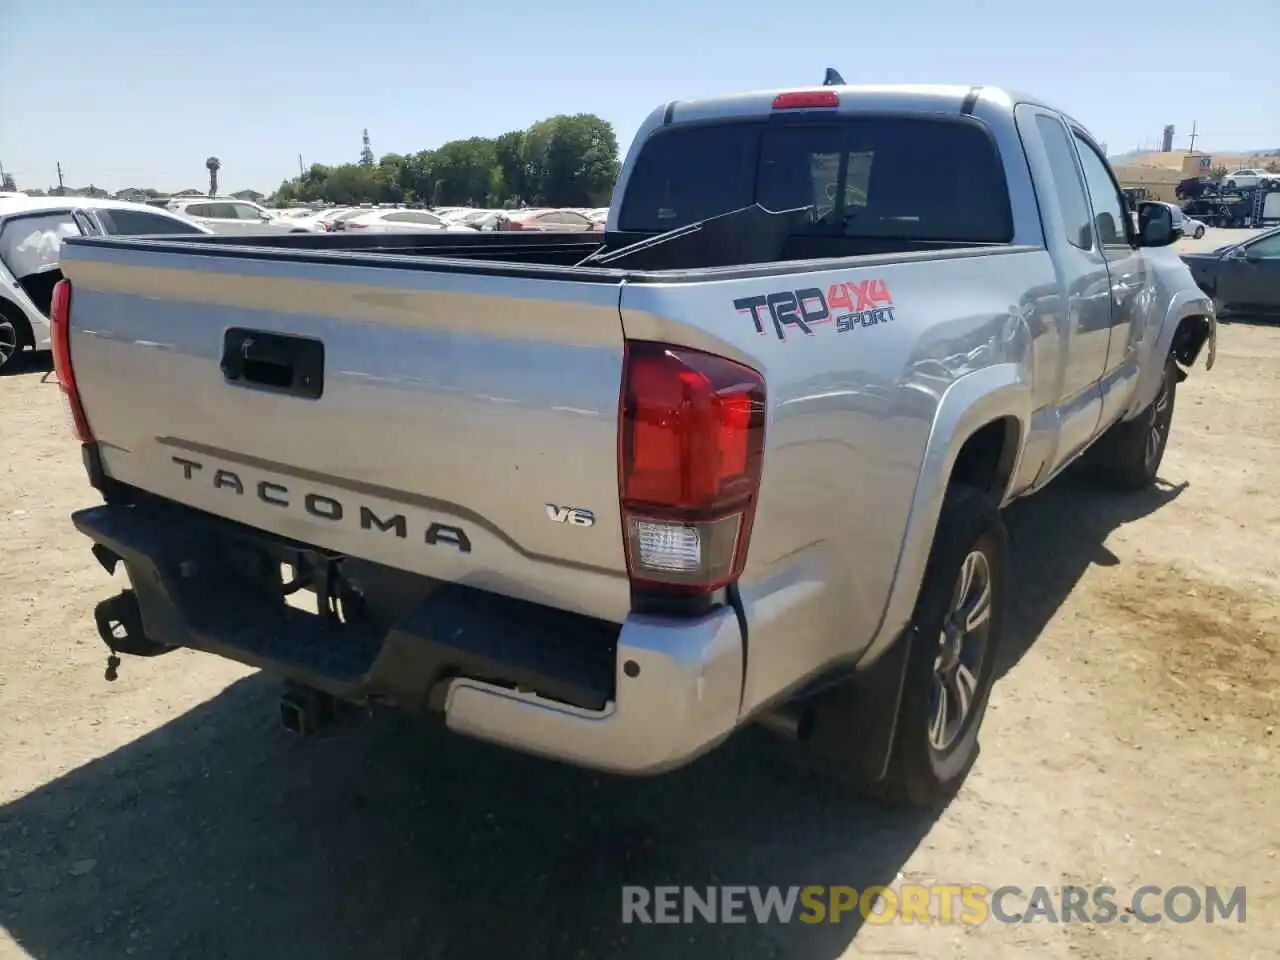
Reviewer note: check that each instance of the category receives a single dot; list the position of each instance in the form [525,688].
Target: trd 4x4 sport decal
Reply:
[850,306]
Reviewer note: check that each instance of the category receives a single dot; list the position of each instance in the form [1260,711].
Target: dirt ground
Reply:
[1131,741]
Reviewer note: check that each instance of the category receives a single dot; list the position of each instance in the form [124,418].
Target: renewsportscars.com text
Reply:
[970,904]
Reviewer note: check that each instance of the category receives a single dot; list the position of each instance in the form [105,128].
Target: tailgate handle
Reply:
[276,362]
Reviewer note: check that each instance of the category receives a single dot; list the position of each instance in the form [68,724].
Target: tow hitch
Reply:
[307,711]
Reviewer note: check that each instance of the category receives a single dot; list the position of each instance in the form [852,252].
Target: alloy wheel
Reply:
[962,646]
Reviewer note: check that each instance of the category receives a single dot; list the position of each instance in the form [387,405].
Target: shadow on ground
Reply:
[1056,536]
[31,363]
[216,836]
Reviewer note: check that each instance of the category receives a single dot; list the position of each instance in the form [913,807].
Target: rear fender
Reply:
[967,405]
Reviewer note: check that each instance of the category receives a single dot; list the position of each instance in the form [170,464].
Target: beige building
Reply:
[1160,182]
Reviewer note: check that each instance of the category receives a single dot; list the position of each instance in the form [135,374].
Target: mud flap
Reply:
[852,725]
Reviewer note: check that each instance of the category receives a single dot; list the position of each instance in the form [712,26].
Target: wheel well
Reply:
[1188,339]
[987,458]
[20,322]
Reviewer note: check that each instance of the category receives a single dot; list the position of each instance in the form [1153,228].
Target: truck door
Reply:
[1076,354]
[1116,239]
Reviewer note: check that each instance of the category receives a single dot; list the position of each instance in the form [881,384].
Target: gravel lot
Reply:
[1129,742]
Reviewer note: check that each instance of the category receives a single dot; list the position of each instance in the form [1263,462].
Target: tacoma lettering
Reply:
[322,506]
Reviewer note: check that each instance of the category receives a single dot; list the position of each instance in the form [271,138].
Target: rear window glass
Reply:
[907,178]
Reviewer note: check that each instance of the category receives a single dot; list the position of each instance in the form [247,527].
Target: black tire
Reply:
[921,773]
[15,336]
[1123,457]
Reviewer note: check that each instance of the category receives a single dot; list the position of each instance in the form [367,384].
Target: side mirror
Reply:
[1157,228]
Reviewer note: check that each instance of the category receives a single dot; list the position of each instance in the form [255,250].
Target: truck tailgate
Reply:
[457,425]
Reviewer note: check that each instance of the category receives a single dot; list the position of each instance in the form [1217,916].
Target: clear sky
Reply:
[140,92]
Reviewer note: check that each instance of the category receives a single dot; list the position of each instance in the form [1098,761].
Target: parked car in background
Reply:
[337,220]
[395,221]
[31,234]
[1186,225]
[463,217]
[233,216]
[1246,177]
[1243,278]
[560,221]
[486,220]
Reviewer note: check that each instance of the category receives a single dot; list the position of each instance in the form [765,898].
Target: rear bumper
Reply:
[640,698]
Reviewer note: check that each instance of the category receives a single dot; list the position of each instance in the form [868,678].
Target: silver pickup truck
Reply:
[609,499]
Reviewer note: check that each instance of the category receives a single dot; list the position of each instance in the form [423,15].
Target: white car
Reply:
[227,215]
[1246,177]
[1189,226]
[31,234]
[396,221]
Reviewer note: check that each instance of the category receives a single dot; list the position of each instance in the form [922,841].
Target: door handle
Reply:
[280,363]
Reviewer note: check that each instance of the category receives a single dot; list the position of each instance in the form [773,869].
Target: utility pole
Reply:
[61,189]
[301,170]
[1193,136]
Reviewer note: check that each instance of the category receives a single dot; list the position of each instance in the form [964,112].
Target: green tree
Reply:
[562,161]
[1217,173]
[570,161]
[512,178]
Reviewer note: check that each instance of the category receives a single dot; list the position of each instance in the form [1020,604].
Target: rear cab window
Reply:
[909,178]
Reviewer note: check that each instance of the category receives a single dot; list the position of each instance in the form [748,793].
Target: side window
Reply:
[136,223]
[1068,189]
[222,211]
[1268,248]
[1108,203]
[243,211]
[198,210]
[29,245]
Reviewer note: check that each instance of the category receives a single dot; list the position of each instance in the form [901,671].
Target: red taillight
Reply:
[352,225]
[510,225]
[691,445]
[60,336]
[801,99]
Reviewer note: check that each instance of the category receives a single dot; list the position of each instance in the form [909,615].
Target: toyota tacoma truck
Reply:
[740,459]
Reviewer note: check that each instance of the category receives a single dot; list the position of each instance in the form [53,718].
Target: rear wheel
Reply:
[946,668]
[1128,456]
[11,342]
[956,630]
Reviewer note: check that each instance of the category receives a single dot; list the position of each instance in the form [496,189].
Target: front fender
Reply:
[968,404]
[1183,304]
